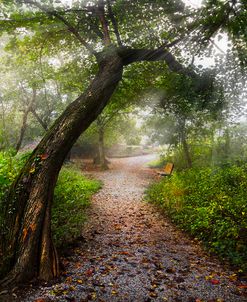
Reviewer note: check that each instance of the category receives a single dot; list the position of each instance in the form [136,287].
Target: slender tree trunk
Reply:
[5,135]
[101,147]
[39,119]
[26,234]
[185,144]
[22,131]
[186,152]
[24,121]
[227,144]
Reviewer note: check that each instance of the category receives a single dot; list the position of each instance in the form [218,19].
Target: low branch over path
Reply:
[130,252]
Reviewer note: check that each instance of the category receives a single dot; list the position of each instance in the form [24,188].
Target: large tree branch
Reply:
[130,55]
[69,26]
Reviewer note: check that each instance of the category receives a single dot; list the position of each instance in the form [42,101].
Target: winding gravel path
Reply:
[130,252]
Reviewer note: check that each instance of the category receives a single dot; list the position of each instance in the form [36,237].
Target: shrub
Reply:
[211,204]
[72,195]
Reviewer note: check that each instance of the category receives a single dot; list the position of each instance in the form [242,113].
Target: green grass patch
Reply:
[72,195]
[211,204]
[157,163]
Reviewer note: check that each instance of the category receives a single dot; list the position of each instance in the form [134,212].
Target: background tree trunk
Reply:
[26,234]
[38,118]
[185,144]
[101,147]
[24,121]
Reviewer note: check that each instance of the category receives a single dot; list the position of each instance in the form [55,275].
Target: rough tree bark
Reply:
[26,235]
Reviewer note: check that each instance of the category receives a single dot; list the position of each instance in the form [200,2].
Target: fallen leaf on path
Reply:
[124,253]
[242,286]
[89,272]
[233,277]
[79,281]
[215,281]
[153,295]
[69,279]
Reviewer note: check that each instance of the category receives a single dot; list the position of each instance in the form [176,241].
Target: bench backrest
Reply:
[168,168]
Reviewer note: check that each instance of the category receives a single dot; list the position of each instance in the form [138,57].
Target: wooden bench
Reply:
[167,170]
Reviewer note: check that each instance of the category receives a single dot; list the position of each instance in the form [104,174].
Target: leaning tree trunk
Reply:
[26,235]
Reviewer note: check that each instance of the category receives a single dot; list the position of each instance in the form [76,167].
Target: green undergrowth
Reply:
[72,195]
[157,163]
[211,204]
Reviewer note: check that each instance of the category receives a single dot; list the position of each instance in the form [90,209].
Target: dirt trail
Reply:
[131,253]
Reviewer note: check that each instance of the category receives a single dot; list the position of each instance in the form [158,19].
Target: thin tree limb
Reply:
[69,26]
[114,23]
[96,28]
[38,118]
[100,11]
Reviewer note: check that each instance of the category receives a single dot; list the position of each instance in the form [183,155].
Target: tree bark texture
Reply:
[26,235]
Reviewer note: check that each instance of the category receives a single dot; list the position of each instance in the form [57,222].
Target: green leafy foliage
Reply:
[72,195]
[211,205]
[9,167]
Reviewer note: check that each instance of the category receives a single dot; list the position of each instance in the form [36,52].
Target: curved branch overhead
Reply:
[130,55]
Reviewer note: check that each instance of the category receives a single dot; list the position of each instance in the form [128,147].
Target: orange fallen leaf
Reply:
[89,272]
[242,286]
[69,279]
[215,281]
[79,281]
[124,253]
